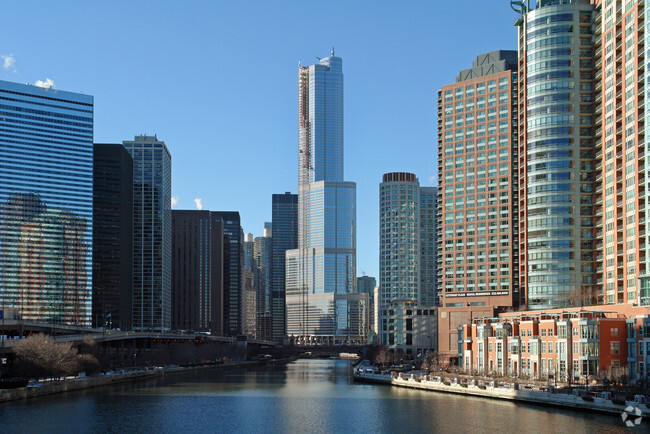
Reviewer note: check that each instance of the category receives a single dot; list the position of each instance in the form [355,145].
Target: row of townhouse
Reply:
[562,344]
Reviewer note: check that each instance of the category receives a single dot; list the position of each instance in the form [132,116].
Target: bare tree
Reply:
[88,364]
[431,360]
[46,357]
[378,355]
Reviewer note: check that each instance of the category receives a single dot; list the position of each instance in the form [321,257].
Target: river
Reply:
[304,396]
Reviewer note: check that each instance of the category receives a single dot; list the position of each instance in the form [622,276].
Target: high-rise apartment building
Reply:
[429,246]
[321,273]
[399,246]
[284,232]
[233,274]
[152,232]
[46,203]
[619,144]
[557,157]
[477,177]
[197,271]
[401,295]
[262,250]
[112,237]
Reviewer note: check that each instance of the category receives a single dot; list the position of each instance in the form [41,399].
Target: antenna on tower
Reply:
[332,50]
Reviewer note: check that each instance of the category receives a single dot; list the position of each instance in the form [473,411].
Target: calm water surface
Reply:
[303,396]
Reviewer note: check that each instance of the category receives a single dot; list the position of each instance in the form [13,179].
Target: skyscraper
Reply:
[197,271]
[429,246]
[399,245]
[284,227]
[477,177]
[112,237]
[262,250]
[249,305]
[556,158]
[368,285]
[233,273]
[152,233]
[621,88]
[321,273]
[407,308]
[46,203]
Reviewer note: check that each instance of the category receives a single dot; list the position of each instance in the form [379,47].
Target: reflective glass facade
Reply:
[233,273]
[46,203]
[399,246]
[428,246]
[285,237]
[152,233]
[325,263]
[112,237]
[557,178]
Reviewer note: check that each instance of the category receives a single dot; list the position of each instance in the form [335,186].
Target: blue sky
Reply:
[217,81]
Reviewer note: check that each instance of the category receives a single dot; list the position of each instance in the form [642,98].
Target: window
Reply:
[614,348]
[614,331]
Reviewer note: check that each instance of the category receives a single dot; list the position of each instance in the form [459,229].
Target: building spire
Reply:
[332,50]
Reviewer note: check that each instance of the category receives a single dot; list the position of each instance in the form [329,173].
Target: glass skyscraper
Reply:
[152,233]
[46,203]
[285,237]
[321,273]
[234,312]
[112,236]
[556,107]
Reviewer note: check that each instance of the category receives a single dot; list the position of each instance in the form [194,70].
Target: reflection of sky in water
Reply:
[305,396]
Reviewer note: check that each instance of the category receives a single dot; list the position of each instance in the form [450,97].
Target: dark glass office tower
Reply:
[284,233]
[197,271]
[152,233]
[46,203]
[233,277]
[112,237]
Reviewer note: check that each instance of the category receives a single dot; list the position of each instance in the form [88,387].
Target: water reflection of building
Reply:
[46,200]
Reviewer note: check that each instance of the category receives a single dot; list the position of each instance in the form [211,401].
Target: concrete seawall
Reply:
[50,388]
[505,391]
[71,385]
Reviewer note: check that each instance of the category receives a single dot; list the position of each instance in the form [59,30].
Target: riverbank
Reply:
[507,391]
[115,377]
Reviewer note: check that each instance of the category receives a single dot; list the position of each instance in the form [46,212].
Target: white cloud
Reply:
[174,201]
[47,84]
[432,179]
[8,62]
[199,203]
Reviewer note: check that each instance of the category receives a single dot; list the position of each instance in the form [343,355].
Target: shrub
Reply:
[463,385]
[446,383]
[482,386]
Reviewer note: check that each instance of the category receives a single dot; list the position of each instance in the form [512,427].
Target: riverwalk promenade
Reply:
[511,392]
